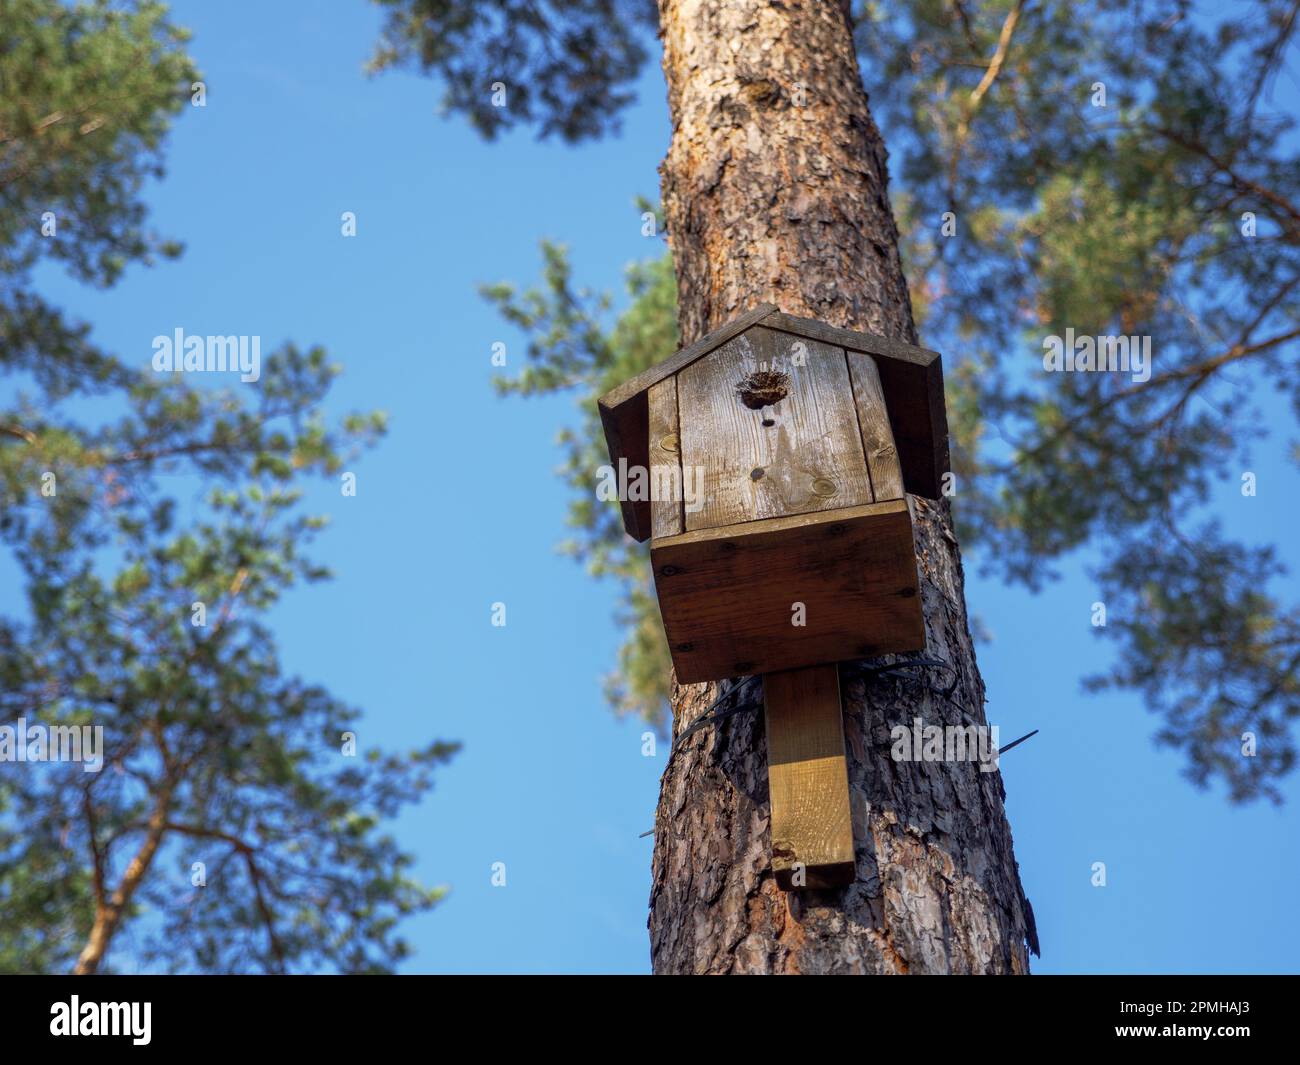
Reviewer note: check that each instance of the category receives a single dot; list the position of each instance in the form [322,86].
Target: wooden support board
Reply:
[812,824]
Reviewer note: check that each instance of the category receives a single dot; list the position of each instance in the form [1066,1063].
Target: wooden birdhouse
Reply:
[768,465]
[778,452]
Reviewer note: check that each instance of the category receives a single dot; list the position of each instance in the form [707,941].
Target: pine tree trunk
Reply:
[774,189]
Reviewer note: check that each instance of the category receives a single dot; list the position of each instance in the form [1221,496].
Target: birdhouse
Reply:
[768,465]
[773,460]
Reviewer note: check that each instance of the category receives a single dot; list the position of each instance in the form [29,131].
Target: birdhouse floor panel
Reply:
[732,597]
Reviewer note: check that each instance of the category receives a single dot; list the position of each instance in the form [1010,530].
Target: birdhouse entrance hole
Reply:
[762,389]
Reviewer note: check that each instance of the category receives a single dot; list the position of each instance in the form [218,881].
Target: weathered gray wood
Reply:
[851,338]
[873,421]
[624,411]
[624,393]
[665,460]
[808,781]
[728,595]
[911,379]
[810,459]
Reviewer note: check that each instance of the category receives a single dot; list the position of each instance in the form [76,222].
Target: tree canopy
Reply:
[145,611]
[1045,180]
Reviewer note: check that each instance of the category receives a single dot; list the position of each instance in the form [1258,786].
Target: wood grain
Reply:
[808,781]
[665,460]
[727,595]
[911,380]
[669,367]
[873,422]
[809,460]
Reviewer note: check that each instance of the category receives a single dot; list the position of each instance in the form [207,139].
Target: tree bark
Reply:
[108,914]
[774,189]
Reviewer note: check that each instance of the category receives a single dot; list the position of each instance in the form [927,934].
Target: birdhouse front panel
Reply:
[769,419]
[779,527]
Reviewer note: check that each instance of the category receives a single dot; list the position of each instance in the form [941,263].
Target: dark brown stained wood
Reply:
[808,780]
[850,338]
[727,595]
[665,460]
[809,459]
[873,421]
[627,433]
[914,396]
[912,381]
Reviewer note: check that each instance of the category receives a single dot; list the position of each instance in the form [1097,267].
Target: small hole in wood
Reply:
[764,388]
[756,474]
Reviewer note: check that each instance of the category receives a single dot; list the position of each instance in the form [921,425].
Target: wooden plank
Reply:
[665,460]
[616,397]
[912,381]
[627,434]
[808,781]
[728,595]
[873,421]
[625,416]
[898,350]
[808,459]
[914,396]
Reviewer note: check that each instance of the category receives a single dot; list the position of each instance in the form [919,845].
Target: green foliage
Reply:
[86,94]
[565,65]
[179,495]
[1122,219]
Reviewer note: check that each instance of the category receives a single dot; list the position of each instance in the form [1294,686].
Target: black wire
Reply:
[713,714]
[895,669]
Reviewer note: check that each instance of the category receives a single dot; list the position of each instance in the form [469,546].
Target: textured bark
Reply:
[775,189]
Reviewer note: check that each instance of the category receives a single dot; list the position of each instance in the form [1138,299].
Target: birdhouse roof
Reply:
[910,377]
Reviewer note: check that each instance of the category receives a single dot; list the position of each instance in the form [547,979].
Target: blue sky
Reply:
[459,507]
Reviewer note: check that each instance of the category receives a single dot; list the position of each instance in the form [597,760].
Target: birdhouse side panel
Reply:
[770,421]
[668,492]
[873,421]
